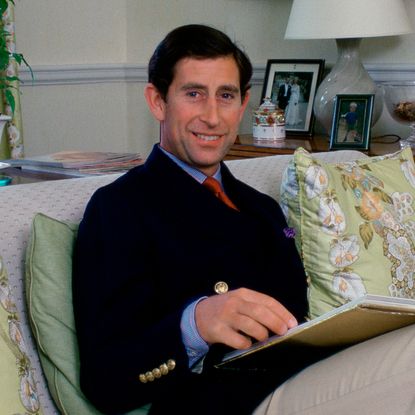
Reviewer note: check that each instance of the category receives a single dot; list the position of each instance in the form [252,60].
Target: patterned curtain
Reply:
[11,145]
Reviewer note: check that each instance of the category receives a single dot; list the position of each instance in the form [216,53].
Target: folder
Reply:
[354,322]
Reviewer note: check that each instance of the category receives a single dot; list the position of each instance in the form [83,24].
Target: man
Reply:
[284,93]
[166,275]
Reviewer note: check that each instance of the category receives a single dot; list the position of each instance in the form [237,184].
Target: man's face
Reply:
[202,111]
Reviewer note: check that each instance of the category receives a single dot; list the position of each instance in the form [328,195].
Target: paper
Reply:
[354,322]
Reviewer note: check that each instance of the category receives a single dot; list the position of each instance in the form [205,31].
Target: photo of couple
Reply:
[291,85]
[290,92]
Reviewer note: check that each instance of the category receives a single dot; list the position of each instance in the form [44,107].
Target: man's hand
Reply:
[239,315]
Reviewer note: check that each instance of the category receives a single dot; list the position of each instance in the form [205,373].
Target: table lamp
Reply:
[347,22]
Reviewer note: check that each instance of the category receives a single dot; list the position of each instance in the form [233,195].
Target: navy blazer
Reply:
[149,244]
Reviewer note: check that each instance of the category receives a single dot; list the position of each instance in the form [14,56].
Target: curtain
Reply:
[11,145]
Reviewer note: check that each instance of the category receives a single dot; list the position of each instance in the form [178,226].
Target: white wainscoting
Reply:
[106,73]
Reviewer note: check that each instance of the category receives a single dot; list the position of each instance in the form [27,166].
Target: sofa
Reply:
[65,200]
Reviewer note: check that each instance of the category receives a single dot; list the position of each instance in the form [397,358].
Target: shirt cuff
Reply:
[195,346]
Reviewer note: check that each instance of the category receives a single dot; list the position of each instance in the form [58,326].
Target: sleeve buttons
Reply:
[157,372]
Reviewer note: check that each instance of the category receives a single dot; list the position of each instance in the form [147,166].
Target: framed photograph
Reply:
[352,120]
[292,85]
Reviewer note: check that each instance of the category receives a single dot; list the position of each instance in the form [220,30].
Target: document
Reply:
[351,323]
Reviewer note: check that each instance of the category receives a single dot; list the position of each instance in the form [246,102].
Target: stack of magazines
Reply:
[79,163]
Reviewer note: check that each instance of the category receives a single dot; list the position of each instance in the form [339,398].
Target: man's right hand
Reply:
[236,317]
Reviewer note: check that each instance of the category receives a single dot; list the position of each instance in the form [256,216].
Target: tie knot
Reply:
[215,187]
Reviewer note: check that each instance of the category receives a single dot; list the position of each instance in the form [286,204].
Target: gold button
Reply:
[142,378]
[221,287]
[164,369]
[149,376]
[157,372]
[171,364]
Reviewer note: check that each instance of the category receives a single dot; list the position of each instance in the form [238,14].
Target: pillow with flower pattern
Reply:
[355,226]
[18,392]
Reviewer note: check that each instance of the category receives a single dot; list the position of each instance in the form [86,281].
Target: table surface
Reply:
[21,176]
[246,147]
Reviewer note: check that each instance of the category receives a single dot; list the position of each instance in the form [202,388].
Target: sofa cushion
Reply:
[354,225]
[49,299]
[17,388]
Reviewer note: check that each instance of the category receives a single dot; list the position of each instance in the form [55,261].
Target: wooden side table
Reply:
[245,147]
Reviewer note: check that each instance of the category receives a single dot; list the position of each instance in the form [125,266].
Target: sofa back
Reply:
[65,200]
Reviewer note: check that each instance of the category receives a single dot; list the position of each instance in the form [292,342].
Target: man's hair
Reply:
[198,42]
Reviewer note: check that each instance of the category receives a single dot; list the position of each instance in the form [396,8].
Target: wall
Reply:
[90,58]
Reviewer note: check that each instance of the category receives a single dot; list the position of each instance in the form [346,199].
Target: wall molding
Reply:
[108,73]
[82,74]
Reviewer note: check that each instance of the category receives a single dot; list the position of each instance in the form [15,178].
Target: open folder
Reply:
[351,323]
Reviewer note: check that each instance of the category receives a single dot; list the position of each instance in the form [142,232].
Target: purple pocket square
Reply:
[289,232]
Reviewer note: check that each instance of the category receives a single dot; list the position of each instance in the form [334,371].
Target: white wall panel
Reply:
[90,60]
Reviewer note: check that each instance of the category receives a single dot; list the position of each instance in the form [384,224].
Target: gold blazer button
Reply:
[164,369]
[221,287]
[156,373]
[149,376]
[171,364]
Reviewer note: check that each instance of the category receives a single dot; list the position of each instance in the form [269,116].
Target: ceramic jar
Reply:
[268,122]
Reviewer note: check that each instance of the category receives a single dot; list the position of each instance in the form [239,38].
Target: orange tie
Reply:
[214,186]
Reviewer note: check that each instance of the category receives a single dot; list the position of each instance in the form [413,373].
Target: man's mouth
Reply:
[207,137]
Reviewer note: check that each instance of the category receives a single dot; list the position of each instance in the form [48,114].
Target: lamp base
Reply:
[409,141]
[348,76]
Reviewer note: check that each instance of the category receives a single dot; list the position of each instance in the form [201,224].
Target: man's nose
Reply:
[210,113]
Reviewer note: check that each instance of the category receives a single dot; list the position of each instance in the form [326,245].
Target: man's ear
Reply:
[155,102]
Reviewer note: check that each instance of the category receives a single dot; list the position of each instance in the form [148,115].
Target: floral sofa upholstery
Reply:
[65,200]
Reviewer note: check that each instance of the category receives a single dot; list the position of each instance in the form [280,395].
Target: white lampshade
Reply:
[339,19]
[347,21]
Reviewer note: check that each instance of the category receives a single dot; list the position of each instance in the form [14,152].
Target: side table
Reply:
[20,176]
[245,147]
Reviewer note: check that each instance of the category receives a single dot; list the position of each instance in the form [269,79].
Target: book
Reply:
[349,324]
[79,162]
[54,170]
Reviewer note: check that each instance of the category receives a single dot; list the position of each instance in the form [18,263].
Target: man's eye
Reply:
[192,94]
[228,96]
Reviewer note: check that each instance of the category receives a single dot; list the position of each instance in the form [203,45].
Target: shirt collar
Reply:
[196,174]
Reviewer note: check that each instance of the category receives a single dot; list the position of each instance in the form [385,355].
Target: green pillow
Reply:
[18,393]
[355,226]
[49,299]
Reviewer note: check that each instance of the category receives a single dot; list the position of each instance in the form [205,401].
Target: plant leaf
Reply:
[10,99]
[3,6]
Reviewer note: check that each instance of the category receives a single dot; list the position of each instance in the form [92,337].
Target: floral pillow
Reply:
[355,226]
[18,393]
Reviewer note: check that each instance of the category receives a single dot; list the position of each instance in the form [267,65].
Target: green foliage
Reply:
[4,4]
[7,83]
